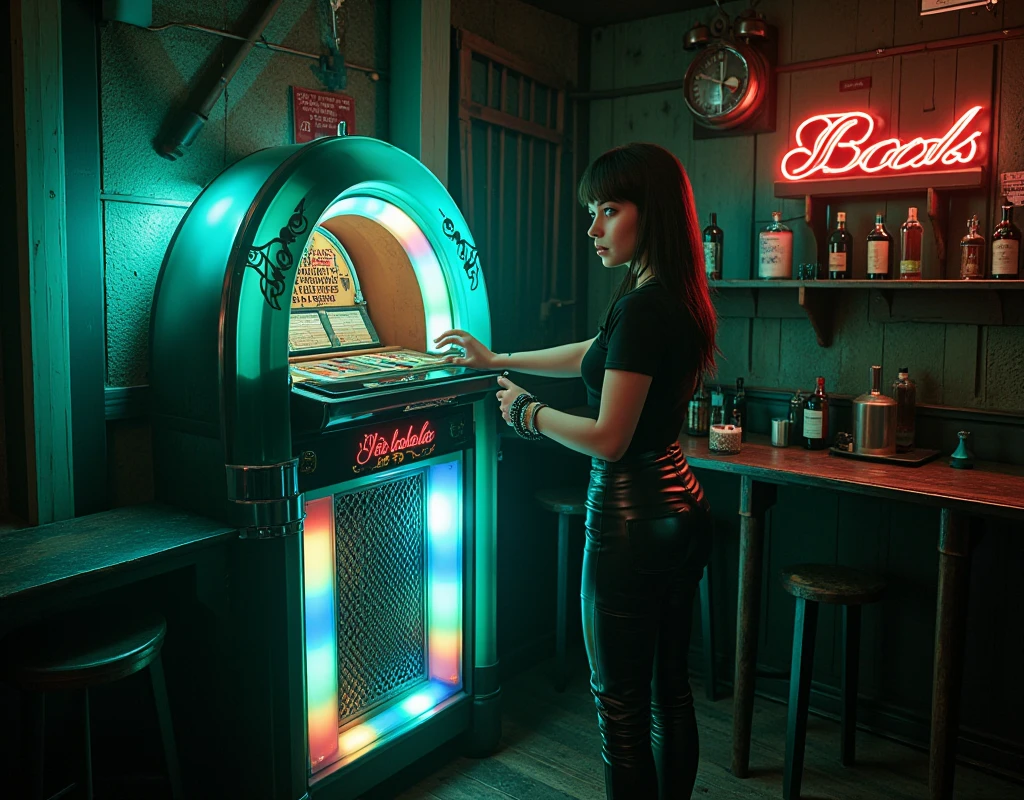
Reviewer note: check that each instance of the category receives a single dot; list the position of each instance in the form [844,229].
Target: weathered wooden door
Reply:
[515,184]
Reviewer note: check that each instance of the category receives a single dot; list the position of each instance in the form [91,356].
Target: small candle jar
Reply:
[725,439]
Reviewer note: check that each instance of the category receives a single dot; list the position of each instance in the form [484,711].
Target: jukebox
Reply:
[295,394]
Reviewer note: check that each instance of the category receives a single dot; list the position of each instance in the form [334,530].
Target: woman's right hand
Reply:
[475,355]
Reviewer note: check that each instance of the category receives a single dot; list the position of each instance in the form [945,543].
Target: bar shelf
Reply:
[979,302]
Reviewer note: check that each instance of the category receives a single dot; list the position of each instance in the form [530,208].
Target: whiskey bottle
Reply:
[972,252]
[879,251]
[714,241]
[775,250]
[840,250]
[910,247]
[815,423]
[903,392]
[1006,247]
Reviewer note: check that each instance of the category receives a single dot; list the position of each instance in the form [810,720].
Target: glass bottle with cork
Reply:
[714,242]
[879,251]
[815,423]
[840,250]
[1006,247]
[972,252]
[904,392]
[739,409]
[775,250]
[911,233]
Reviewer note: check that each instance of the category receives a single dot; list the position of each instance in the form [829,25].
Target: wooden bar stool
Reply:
[571,502]
[75,654]
[812,584]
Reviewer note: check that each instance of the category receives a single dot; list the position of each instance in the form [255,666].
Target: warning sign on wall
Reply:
[317,114]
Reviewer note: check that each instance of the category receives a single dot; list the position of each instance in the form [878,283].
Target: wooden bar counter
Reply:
[53,565]
[987,490]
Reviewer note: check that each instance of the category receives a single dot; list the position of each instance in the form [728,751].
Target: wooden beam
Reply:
[42,255]
[419,80]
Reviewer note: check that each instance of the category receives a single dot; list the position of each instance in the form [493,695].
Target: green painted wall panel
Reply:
[137,236]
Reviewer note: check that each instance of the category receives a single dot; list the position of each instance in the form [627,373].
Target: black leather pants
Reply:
[648,540]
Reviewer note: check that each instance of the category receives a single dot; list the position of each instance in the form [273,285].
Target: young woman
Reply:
[648,531]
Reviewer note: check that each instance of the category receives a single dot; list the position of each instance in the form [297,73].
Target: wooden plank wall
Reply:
[956,362]
[773,345]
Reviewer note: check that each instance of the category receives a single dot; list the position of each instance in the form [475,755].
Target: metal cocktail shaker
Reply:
[874,420]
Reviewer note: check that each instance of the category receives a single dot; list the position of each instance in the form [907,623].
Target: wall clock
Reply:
[728,87]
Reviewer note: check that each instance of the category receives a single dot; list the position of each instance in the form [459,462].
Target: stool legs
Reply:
[707,634]
[33,744]
[163,711]
[851,669]
[86,755]
[804,627]
[561,671]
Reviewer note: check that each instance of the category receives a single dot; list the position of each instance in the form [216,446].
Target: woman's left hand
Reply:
[507,395]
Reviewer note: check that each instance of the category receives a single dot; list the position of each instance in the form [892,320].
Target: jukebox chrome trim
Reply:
[262,483]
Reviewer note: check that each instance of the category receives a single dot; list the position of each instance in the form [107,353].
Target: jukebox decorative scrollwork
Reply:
[465,250]
[273,259]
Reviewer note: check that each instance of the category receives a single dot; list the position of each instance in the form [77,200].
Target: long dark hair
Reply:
[668,235]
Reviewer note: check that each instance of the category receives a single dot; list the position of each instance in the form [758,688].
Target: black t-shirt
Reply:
[651,333]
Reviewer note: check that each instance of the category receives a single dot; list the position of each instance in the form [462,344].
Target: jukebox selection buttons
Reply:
[307,462]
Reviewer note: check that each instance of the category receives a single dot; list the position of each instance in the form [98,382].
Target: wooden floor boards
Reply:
[550,750]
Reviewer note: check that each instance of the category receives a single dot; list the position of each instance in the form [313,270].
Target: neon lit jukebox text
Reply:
[377,450]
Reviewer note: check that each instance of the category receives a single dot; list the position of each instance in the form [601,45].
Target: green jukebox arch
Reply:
[292,447]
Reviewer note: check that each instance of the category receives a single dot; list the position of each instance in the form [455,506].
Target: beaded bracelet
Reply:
[533,409]
[515,413]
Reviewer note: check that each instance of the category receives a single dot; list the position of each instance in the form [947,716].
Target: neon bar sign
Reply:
[393,450]
[839,147]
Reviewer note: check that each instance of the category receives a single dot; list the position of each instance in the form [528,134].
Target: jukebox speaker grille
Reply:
[382,588]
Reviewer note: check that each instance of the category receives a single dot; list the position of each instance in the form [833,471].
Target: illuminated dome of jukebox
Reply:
[232,265]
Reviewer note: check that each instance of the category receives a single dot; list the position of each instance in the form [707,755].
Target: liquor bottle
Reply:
[972,252]
[698,412]
[775,250]
[796,414]
[840,250]
[1006,247]
[739,409]
[879,251]
[714,241]
[904,392]
[717,406]
[815,425]
[911,233]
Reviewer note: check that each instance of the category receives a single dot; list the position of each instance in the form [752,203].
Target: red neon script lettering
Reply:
[376,445]
[838,147]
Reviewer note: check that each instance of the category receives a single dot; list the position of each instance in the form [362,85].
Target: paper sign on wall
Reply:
[1012,187]
[316,114]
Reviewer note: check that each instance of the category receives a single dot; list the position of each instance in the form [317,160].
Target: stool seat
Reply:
[831,583]
[571,501]
[82,651]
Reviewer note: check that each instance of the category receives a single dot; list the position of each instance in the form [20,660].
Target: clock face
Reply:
[718,81]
